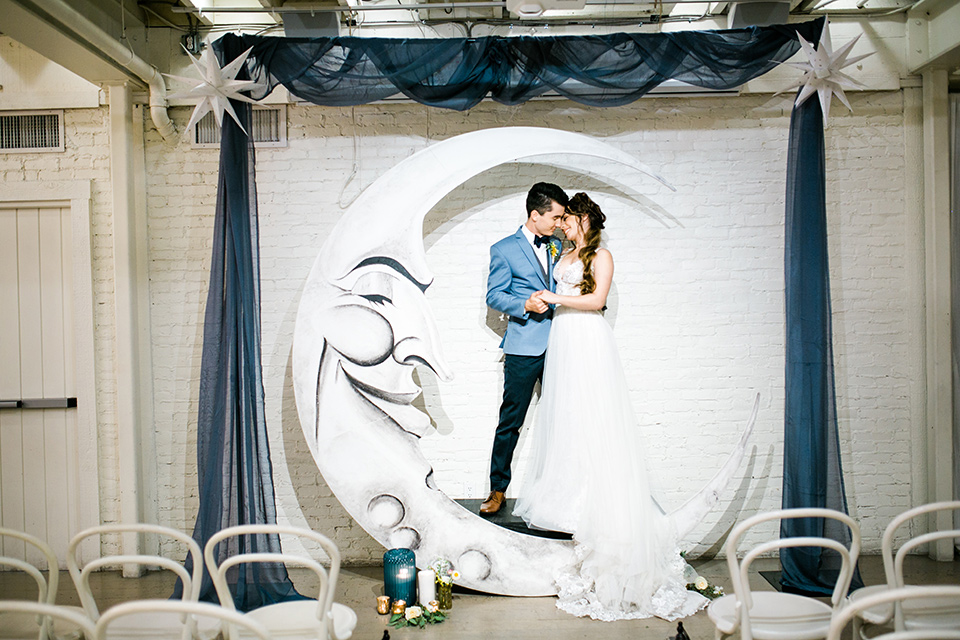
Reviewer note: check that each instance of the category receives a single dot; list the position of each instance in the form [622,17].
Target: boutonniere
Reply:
[552,248]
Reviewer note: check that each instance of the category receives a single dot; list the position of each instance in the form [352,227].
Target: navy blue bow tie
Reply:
[539,241]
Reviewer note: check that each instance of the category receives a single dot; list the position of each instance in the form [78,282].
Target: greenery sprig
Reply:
[704,588]
[416,617]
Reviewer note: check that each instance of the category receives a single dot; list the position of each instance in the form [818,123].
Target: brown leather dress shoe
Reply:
[493,503]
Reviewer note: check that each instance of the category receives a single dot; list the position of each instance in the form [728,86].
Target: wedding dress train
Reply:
[588,477]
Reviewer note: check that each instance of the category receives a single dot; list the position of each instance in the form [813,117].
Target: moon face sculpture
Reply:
[363,325]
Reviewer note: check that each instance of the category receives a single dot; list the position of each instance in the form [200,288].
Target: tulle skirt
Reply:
[588,477]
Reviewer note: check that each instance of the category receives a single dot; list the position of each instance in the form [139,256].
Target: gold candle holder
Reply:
[399,607]
[383,605]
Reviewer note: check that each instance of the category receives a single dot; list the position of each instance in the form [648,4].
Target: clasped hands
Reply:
[540,301]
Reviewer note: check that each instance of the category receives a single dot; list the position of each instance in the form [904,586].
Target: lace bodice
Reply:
[568,277]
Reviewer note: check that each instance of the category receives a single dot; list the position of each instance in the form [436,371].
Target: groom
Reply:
[520,266]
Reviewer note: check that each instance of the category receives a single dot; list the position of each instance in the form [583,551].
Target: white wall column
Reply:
[134,391]
[936,206]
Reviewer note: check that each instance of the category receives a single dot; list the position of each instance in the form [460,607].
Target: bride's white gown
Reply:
[589,477]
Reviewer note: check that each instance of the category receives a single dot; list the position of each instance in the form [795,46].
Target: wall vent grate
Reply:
[30,131]
[269,128]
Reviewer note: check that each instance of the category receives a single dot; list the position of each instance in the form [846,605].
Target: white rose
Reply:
[431,606]
[412,612]
[701,583]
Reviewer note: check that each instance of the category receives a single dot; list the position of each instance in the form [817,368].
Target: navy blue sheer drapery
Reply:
[812,474]
[233,454]
[457,73]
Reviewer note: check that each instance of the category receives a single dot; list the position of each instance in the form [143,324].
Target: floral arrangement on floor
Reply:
[696,582]
[418,616]
[446,574]
[704,588]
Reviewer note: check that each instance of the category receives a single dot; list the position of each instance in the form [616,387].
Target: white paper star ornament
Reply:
[217,87]
[822,72]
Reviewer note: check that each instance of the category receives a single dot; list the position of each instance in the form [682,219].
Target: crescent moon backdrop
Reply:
[364,324]
[698,288]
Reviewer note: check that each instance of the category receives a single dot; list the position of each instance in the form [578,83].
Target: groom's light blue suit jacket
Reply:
[515,273]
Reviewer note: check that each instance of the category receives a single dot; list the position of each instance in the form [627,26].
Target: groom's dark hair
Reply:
[542,195]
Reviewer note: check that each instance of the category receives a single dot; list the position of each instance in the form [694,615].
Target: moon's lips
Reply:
[362,326]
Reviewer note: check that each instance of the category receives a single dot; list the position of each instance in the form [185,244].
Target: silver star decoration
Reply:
[822,72]
[217,87]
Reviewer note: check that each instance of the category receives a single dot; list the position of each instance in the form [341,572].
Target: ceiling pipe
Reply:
[115,51]
[456,4]
[345,9]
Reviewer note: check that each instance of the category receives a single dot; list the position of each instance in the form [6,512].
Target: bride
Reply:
[588,475]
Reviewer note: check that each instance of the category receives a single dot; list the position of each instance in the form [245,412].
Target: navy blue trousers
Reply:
[520,375]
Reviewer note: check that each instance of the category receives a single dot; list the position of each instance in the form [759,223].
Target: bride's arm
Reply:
[597,299]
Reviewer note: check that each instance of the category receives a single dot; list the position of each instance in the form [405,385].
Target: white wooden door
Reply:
[38,446]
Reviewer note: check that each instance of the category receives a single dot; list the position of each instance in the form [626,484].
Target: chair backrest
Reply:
[327,578]
[81,577]
[886,543]
[46,612]
[739,569]
[893,565]
[855,607]
[47,587]
[188,610]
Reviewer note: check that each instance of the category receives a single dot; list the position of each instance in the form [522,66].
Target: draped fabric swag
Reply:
[608,70]
[457,73]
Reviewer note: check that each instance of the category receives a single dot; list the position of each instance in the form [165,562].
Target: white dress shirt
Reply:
[540,251]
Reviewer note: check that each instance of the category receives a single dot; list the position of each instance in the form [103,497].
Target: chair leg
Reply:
[719,635]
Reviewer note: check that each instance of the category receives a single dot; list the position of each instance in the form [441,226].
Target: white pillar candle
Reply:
[427,583]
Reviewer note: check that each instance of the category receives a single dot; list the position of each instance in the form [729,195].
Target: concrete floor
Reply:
[476,616]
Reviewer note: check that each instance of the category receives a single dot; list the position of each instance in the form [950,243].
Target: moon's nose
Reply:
[412,350]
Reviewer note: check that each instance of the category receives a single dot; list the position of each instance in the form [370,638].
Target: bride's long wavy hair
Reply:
[581,206]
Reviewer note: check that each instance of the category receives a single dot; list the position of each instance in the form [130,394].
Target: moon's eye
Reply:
[376,298]
[359,334]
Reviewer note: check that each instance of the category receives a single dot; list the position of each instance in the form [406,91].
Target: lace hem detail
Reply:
[577,594]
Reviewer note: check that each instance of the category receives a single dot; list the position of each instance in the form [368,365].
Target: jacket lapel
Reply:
[527,250]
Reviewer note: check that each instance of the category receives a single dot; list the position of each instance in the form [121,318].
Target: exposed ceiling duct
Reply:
[90,37]
[759,14]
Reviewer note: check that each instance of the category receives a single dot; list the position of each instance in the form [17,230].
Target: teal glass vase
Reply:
[400,575]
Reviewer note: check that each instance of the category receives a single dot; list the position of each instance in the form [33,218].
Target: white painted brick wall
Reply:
[697,305]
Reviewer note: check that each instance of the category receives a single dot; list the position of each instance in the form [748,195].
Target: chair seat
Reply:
[14,626]
[775,616]
[160,625]
[929,613]
[294,619]
[879,614]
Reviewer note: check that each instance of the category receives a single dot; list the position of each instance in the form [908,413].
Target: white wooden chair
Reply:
[73,622]
[771,615]
[186,614]
[144,626]
[24,627]
[914,614]
[314,619]
[889,599]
